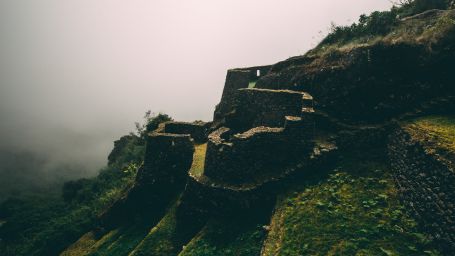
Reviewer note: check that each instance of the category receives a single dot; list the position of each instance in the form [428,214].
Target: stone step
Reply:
[307,110]
[307,100]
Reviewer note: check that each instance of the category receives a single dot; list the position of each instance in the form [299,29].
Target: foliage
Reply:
[197,167]
[436,133]
[356,211]
[380,23]
[46,224]
[233,237]
[151,122]
[169,235]
[418,6]
[127,149]
[376,24]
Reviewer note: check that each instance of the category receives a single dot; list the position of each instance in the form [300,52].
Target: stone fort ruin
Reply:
[258,138]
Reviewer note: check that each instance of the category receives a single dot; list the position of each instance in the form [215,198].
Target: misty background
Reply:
[76,75]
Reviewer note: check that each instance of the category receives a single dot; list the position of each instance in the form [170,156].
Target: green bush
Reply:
[47,224]
[381,23]
[378,23]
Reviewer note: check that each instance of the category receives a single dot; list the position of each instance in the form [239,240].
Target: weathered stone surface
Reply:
[208,196]
[197,130]
[262,107]
[163,176]
[427,187]
[235,79]
[249,156]
[369,84]
[257,71]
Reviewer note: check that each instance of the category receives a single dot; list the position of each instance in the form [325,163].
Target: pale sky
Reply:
[77,74]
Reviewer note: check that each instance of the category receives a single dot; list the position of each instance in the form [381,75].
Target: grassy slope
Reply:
[437,134]
[120,241]
[227,237]
[166,238]
[46,226]
[169,236]
[355,211]
[197,167]
[422,30]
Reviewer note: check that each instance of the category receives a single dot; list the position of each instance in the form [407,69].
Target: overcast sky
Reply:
[75,75]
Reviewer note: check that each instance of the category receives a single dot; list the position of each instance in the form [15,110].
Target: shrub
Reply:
[378,23]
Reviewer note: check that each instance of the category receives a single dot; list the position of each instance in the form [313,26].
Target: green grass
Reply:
[228,238]
[47,225]
[83,246]
[197,167]
[123,242]
[428,30]
[166,238]
[355,211]
[252,84]
[159,241]
[437,132]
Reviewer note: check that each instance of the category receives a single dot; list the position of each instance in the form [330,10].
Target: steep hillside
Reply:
[347,150]
[375,77]
[355,211]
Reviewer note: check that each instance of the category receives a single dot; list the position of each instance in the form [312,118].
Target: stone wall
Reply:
[370,84]
[427,187]
[235,79]
[252,155]
[163,176]
[207,196]
[263,70]
[197,130]
[262,107]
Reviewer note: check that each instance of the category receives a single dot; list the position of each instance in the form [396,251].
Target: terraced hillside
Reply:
[347,150]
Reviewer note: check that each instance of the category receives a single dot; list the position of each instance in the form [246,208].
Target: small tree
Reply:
[151,122]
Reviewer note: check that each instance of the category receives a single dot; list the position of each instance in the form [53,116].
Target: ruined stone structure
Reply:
[197,130]
[265,131]
[258,139]
[261,107]
[237,79]
[251,155]
[427,186]
[163,175]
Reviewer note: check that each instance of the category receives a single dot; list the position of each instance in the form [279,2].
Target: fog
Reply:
[76,75]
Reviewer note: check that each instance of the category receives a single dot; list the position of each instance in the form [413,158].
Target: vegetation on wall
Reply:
[437,133]
[355,211]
